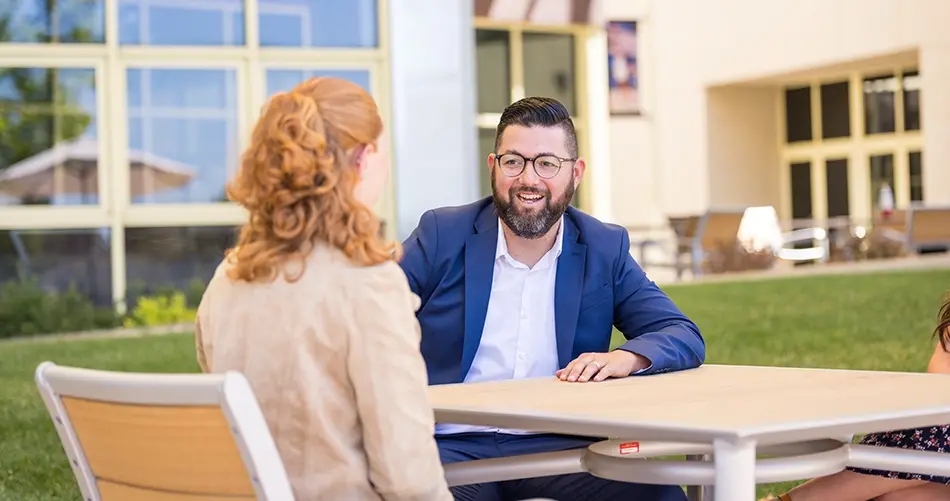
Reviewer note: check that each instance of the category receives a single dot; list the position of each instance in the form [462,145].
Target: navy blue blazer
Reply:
[449,260]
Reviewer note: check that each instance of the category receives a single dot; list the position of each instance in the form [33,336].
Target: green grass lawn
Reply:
[876,321]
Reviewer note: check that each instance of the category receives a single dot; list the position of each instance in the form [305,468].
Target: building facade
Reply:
[121,120]
[810,107]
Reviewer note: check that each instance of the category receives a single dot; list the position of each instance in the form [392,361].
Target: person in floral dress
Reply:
[860,484]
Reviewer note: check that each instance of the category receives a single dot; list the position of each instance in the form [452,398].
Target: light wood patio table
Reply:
[736,409]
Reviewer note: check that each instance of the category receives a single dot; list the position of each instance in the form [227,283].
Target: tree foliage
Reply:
[37,105]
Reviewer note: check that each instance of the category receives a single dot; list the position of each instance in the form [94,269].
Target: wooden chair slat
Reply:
[111,491]
[187,449]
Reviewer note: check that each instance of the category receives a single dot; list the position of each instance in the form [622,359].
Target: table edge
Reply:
[546,422]
[795,431]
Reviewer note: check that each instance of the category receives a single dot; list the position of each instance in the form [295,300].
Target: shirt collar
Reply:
[501,249]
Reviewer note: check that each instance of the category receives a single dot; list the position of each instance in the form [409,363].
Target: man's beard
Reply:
[529,223]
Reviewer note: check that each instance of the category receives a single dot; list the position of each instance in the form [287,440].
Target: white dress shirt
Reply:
[518,340]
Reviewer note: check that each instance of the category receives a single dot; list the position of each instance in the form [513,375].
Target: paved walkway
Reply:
[122,332]
[782,270]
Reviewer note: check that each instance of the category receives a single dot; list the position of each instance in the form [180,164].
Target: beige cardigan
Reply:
[334,362]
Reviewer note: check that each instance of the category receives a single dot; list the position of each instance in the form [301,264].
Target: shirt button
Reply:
[521,356]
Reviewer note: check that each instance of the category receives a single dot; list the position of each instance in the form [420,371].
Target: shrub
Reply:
[27,309]
[733,256]
[874,245]
[161,309]
[192,291]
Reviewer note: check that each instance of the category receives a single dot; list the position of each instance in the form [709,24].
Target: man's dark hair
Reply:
[538,111]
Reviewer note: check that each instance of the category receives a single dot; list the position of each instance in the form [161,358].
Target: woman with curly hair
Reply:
[858,484]
[311,306]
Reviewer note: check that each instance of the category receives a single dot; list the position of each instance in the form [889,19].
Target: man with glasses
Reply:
[522,285]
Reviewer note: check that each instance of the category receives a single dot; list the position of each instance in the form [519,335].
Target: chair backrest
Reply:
[163,437]
[719,226]
[684,229]
[683,226]
[897,221]
[928,225]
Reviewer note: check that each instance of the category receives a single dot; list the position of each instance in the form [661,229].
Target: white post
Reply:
[735,469]
[433,104]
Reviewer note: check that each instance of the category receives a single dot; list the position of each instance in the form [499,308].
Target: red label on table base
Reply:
[629,447]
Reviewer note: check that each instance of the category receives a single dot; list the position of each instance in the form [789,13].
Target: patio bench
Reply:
[928,228]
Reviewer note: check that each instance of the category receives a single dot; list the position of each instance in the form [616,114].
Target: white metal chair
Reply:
[820,252]
[163,437]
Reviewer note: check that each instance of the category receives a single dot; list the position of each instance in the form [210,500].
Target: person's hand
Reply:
[600,366]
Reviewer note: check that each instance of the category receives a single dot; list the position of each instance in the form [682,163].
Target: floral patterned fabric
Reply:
[936,438]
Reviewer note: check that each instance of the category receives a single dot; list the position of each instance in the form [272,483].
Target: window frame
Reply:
[581,113]
[858,147]
[111,62]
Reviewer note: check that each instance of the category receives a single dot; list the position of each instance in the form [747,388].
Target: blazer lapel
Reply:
[567,291]
[479,267]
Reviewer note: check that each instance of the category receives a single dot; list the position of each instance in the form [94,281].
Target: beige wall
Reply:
[634,184]
[710,77]
[935,119]
[743,158]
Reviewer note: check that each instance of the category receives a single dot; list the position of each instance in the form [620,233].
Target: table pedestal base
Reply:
[735,469]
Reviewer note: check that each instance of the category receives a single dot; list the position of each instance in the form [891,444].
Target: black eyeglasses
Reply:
[546,166]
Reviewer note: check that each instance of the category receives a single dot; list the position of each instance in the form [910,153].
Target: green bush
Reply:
[193,291]
[26,309]
[874,245]
[727,257]
[161,309]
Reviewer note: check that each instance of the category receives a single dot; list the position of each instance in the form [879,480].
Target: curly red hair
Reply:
[297,177]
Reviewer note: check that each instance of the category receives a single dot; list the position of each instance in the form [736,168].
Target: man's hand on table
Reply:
[600,366]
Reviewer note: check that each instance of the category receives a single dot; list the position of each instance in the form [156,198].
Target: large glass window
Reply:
[283,80]
[911,89]
[517,61]
[880,153]
[549,67]
[176,258]
[183,140]
[836,180]
[186,84]
[798,114]
[486,146]
[915,161]
[492,49]
[879,104]
[60,259]
[835,110]
[49,153]
[181,22]
[882,180]
[800,182]
[45,21]
[318,23]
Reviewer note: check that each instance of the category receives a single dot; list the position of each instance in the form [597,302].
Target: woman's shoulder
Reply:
[387,273]
[383,280]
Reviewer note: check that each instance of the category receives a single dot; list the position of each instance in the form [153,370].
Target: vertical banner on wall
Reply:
[622,67]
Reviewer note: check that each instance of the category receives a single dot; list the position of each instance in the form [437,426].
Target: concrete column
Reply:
[433,102]
[935,121]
